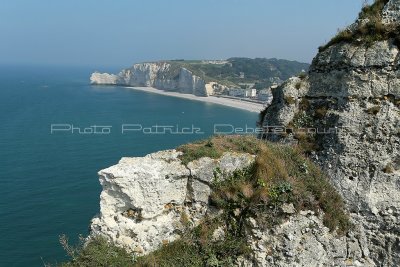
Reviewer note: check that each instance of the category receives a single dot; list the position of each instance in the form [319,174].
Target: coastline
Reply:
[244,105]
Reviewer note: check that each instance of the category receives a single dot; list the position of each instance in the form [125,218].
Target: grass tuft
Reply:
[370,32]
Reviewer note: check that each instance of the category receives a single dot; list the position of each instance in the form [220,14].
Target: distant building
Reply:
[237,92]
[241,75]
[251,93]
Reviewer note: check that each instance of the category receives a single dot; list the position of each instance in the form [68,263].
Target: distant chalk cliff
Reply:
[160,75]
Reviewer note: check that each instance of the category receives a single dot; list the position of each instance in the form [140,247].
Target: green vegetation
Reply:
[216,146]
[198,247]
[276,165]
[280,174]
[260,71]
[369,32]
[97,253]
[302,75]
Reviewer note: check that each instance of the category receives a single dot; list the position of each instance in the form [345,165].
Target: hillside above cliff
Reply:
[234,71]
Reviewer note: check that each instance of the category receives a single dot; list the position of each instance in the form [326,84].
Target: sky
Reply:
[123,32]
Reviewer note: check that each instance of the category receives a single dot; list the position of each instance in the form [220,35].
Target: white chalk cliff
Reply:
[160,75]
[143,198]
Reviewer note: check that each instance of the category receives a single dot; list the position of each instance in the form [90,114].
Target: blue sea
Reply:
[48,180]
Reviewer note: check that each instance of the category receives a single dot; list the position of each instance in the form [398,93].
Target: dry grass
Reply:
[373,110]
[280,174]
[370,32]
[217,145]
[388,169]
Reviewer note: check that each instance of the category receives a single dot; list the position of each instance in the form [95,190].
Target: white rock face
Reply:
[303,240]
[143,199]
[160,75]
[104,78]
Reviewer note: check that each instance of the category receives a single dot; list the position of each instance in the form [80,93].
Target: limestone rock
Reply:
[144,199]
[303,240]
[104,78]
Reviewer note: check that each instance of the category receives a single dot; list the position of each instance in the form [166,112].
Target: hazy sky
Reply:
[122,32]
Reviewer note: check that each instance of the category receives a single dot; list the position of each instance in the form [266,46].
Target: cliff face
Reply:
[160,75]
[143,199]
[353,88]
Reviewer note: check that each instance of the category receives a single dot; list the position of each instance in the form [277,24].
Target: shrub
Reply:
[302,75]
[198,248]
[97,252]
[178,253]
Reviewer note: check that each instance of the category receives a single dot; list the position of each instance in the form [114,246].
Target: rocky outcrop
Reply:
[104,78]
[143,199]
[160,75]
[353,90]
[147,202]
